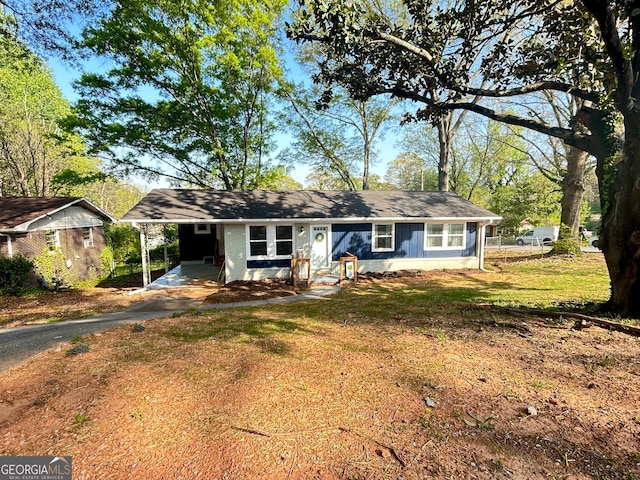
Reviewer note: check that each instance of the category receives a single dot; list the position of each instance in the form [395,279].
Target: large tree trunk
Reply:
[365,169]
[572,189]
[621,224]
[444,140]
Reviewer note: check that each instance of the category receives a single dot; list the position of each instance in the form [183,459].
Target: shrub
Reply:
[107,262]
[14,274]
[51,268]
[173,253]
[566,244]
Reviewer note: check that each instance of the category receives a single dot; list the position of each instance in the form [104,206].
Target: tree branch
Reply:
[603,14]
[335,161]
[532,88]
[580,141]
[406,46]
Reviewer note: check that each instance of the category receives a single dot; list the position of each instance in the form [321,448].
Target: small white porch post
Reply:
[164,245]
[144,255]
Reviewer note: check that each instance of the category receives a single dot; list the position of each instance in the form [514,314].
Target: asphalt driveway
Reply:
[21,343]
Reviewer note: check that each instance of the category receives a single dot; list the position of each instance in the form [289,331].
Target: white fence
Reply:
[509,242]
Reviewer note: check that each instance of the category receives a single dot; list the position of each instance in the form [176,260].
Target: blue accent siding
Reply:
[353,238]
[283,262]
[470,251]
[409,242]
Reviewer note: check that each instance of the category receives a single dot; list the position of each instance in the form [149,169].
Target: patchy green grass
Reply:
[543,283]
[231,325]
[78,349]
[553,281]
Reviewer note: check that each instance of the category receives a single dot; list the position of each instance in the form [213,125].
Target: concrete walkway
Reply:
[21,343]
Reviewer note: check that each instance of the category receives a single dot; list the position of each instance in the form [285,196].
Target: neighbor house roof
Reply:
[200,206]
[17,213]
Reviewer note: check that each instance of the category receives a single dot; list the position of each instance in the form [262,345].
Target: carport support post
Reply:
[166,253]
[483,230]
[144,255]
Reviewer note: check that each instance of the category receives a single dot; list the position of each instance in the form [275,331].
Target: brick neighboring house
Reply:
[64,234]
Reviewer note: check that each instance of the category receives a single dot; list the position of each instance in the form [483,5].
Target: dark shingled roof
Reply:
[15,211]
[192,206]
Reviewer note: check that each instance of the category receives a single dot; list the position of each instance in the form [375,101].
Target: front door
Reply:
[320,253]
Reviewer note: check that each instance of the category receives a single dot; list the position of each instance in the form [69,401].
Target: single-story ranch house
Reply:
[254,234]
[63,235]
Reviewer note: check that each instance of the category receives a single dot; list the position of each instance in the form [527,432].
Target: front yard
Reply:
[422,376]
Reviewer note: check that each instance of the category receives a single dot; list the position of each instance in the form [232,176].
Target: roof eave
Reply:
[24,227]
[183,221]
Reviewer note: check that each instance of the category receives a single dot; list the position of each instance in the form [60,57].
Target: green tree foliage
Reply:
[410,172]
[48,26]
[455,49]
[487,156]
[83,177]
[489,166]
[188,93]
[339,137]
[32,146]
[36,157]
[124,240]
[528,196]
[278,177]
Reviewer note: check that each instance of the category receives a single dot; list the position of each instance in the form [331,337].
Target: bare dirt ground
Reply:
[72,304]
[452,392]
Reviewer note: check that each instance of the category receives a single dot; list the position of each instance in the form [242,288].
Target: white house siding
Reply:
[391,265]
[235,251]
[72,217]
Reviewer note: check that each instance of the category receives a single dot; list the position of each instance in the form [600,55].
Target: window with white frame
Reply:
[87,237]
[455,235]
[284,240]
[258,244]
[444,235]
[382,237]
[53,239]
[270,241]
[202,228]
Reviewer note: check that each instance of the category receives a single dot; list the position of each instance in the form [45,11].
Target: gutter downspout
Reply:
[9,244]
[144,256]
[481,245]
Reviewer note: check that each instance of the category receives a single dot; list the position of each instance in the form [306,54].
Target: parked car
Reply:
[594,241]
[539,236]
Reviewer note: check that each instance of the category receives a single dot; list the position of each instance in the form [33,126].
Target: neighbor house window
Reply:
[87,237]
[382,237]
[444,235]
[53,240]
[270,241]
